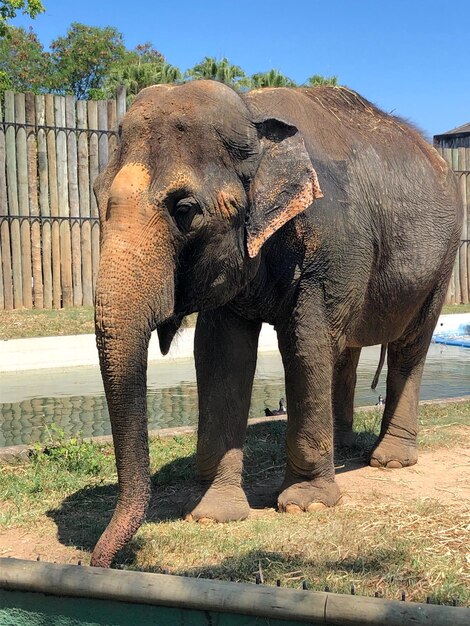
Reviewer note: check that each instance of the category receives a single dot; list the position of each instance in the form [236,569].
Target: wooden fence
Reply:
[51,150]
[456,151]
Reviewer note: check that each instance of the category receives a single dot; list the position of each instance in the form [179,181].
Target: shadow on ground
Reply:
[83,515]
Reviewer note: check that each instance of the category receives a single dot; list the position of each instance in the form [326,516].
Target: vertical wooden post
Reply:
[64,209]
[94,169]
[54,202]
[458,291]
[44,208]
[84,198]
[463,245]
[23,201]
[5,245]
[120,103]
[74,203]
[467,210]
[31,139]
[450,297]
[112,125]
[12,186]
[103,136]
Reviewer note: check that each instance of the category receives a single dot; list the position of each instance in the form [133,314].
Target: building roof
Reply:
[459,131]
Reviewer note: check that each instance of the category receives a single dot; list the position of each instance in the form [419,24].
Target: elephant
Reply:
[305,208]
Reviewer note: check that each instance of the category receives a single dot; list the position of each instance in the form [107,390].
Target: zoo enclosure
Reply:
[51,150]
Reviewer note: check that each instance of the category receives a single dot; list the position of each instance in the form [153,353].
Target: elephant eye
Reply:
[184,212]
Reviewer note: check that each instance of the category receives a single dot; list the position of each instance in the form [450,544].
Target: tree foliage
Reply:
[317,80]
[24,65]
[9,9]
[91,62]
[273,78]
[140,68]
[222,71]
[83,58]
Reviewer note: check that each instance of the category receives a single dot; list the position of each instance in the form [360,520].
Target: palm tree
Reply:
[222,71]
[317,80]
[273,78]
[136,76]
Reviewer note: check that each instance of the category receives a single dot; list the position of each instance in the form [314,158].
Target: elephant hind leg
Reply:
[396,445]
[344,383]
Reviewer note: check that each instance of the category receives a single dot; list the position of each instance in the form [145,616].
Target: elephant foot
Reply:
[345,439]
[393,453]
[308,496]
[217,504]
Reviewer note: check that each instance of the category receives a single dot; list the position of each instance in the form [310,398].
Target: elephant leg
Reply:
[344,383]
[309,482]
[396,445]
[225,352]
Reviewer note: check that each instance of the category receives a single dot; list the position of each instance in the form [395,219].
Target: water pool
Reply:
[74,399]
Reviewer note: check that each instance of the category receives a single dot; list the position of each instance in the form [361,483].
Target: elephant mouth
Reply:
[167,330]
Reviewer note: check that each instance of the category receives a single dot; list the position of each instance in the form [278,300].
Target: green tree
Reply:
[9,9]
[139,68]
[223,71]
[317,80]
[83,58]
[273,78]
[24,65]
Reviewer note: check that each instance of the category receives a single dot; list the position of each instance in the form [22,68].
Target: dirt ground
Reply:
[442,474]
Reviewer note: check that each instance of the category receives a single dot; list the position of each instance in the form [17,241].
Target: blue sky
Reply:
[410,57]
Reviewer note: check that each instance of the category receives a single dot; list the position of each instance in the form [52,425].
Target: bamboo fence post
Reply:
[12,186]
[463,245]
[74,203]
[64,209]
[31,139]
[23,201]
[84,199]
[5,245]
[54,202]
[94,169]
[44,208]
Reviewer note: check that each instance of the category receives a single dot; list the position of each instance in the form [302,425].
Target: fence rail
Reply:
[51,150]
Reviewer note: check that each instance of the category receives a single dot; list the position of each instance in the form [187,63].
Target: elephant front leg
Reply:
[225,356]
[309,483]
[344,384]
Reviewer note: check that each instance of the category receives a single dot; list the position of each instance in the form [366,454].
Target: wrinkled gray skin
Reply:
[212,204]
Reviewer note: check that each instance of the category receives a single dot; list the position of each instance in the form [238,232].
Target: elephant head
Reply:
[199,183]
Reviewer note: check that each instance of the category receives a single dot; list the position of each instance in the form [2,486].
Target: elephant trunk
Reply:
[135,292]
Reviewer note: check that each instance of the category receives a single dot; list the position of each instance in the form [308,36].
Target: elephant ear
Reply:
[285,183]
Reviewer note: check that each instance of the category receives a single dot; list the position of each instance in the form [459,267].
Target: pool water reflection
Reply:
[74,399]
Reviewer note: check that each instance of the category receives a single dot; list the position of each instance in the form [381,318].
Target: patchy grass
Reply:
[46,322]
[418,545]
[79,320]
[456,308]
[53,322]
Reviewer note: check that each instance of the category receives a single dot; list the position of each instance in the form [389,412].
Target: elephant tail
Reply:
[383,352]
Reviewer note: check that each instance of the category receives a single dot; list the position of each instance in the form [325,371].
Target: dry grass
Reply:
[381,539]
[52,322]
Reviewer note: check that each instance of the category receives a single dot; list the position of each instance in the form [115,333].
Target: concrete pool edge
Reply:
[80,350]
[264,601]
[17,453]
